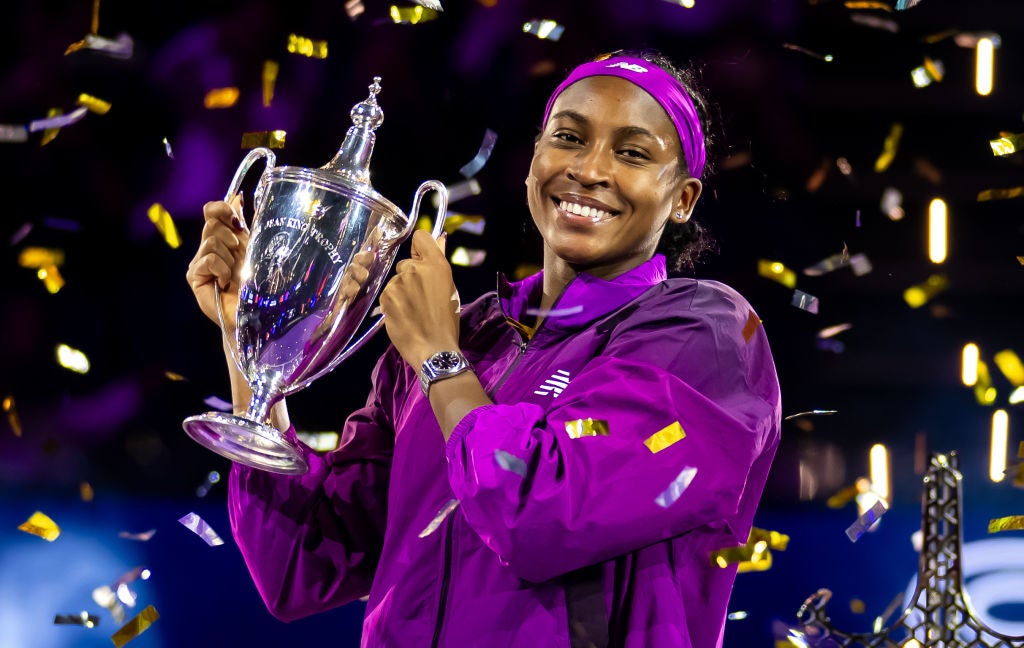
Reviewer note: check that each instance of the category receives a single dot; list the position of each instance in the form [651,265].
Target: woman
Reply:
[553,465]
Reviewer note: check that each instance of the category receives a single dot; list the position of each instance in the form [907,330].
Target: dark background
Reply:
[785,114]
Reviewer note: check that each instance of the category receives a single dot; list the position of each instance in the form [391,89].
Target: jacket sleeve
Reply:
[311,542]
[690,405]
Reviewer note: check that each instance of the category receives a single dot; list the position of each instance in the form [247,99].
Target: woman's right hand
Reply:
[219,259]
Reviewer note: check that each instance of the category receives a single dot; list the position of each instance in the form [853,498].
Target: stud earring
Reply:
[679,216]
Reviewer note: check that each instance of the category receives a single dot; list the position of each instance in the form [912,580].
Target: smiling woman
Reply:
[554,463]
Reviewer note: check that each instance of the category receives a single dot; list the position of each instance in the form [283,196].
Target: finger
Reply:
[424,246]
[218,210]
[209,269]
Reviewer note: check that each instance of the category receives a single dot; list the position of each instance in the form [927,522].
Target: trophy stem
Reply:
[265,393]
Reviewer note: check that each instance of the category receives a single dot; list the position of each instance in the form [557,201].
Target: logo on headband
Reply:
[632,67]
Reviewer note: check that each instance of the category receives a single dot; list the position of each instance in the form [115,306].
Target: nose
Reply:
[590,167]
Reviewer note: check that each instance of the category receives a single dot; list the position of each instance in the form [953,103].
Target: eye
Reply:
[634,153]
[566,136]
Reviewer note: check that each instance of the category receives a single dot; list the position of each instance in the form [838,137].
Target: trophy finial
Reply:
[352,161]
[368,114]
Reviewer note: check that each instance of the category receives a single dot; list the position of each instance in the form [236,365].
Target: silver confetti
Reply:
[676,488]
[510,462]
[445,511]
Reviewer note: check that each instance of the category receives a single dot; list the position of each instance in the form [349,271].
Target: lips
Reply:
[589,212]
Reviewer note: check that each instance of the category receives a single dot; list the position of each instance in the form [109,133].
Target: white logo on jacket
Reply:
[554,385]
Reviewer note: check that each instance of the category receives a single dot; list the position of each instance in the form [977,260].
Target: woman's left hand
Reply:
[420,304]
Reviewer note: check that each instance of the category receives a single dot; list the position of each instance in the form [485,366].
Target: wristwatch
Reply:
[441,365]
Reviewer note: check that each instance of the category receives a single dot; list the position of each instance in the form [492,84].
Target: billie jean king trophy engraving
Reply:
[322,243]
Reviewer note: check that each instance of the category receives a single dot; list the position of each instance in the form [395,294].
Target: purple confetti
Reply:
[198,526]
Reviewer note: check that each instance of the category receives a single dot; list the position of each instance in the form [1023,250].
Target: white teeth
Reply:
[593,213]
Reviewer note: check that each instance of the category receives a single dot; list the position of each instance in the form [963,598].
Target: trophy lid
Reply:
[352,161]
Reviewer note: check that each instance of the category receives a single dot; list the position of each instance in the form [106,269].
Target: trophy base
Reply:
[246,442]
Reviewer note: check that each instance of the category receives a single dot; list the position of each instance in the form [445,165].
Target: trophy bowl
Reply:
[321,245]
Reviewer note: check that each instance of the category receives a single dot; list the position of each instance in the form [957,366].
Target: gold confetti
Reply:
[221,98]
[544,29]
[135,626]
[847,494]
[72,359]
[889,148]
[12,415]
[51,278]
[776,271]
[524,270]
[1009,363]
[586,427]
[1007,143]
[320,441]
[867,4]
[270,69]
[1018,480]
[307,46]
[755,555]
[162,219]
[176,377]
[271,139]
[50,134]
[41,525]
[984,391]
[85,492]
[1000,194]
[467,257]
[94,104]
[750,327]
[665,437]
[1010,523]
[39,257]
[919,295]
[857,606]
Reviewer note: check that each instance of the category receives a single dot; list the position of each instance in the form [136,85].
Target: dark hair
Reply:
[684,244]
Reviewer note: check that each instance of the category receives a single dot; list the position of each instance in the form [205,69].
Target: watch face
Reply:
[445,361]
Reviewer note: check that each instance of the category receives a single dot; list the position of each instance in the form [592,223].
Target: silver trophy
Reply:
[321,245]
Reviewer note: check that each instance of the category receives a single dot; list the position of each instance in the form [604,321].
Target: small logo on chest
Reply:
[554,385]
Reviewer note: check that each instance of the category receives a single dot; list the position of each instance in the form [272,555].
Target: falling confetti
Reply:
[72,359]
[164,224]
[1007,144]
[776,271]
[167,148]
[459,190]
[889,148]
[866,521]
[199,526]
[306,46]
[442,514]
[270,69]
[221,98]
[39,257]
[816,412]
[1010,523]
[58,121]
[271,139]
[804,50]
[136,626]
[94,104]
[83,618]
[1000,194]
[544,29]
[472,167]
[805,301]
[40,524]
[13,133]
[750,327]
[12,415]
[467,257]
[120,47]
[145,536]
[921,294]
[1009,363]
[555,312]
[411,15]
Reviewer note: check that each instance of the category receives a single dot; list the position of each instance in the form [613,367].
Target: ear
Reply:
[689,191]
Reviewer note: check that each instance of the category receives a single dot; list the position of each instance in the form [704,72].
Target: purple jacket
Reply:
[496,537]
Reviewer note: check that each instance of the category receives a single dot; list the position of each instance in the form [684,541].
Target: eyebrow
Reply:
[622,130]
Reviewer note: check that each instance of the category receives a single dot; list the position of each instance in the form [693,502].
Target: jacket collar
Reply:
[584,300]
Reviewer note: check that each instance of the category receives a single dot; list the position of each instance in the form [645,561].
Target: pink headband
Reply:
[658,83]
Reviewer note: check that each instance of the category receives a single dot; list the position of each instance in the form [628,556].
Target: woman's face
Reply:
[605,177]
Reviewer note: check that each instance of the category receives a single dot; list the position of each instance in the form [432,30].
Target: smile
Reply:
[593,213]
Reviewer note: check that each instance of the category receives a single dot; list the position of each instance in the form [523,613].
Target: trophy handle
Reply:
[236,184]
[414,214]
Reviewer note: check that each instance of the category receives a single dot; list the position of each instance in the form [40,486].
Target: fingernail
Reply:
[237,224]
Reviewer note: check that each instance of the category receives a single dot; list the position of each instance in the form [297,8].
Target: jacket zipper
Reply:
[443,599]
[515,362]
